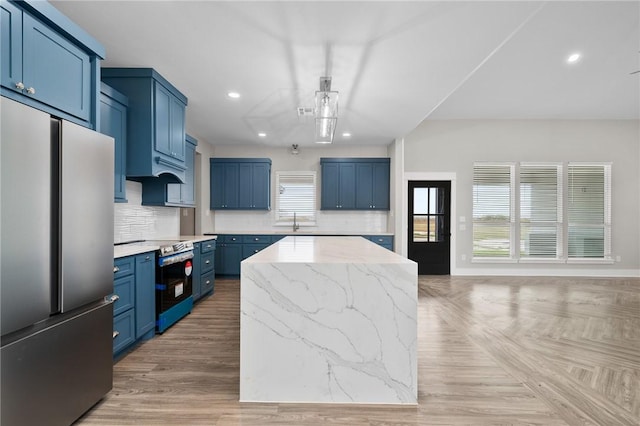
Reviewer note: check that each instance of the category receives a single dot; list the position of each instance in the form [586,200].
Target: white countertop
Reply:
[324,249]
[302,231]
[132,249]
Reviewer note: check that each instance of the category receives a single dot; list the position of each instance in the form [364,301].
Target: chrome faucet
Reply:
[295,224]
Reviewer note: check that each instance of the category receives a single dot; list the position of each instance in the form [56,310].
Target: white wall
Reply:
[307,160]
[205,220]
[452,146]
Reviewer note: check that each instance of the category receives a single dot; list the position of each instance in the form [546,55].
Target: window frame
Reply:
[562,207]
[304,220]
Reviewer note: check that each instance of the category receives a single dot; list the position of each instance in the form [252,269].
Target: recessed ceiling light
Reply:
[233,95]
[262,134]
[573,58]
[346,135]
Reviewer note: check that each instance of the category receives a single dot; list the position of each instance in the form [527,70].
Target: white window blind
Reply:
[493,210]
[540,210]
[296,193]
[589,210]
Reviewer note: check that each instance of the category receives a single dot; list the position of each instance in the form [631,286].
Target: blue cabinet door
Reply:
[347,186]
[218,260]
[177,141]
[232,259]
[329,193]
[364,193]
[113,122]
[216,190]
[338,186]
[260,185]
[162,122]
[231,186]
[57,71]
[184,195]
[381,184]
[11,40]
[145,294]
[224,185]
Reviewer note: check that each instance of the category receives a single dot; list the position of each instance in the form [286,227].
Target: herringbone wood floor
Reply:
[492,350]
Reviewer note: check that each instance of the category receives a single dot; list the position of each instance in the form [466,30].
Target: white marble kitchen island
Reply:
[328,320]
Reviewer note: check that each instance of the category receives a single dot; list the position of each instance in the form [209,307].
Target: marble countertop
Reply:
[132,249]
[302,232]
[309,249]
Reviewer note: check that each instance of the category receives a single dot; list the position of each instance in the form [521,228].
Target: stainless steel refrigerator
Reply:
[56,267]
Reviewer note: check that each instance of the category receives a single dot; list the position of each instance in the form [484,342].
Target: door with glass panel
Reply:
[429,226]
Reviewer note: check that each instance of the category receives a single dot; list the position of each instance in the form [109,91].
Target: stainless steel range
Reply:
[174,269]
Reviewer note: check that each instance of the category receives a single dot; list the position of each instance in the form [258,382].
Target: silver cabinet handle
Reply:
[147,258]
[208,281]
[116,333]
[208,245]
[114,298]
[31,91]
[256,239]
[20,85]
[116,269]
[255,251]
[207,262]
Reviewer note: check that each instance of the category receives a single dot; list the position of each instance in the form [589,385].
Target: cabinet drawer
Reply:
[123,266]
[383,240]
[232,239]
[207,282]
[206,263]
[208,246]
[251,249]
[256,239]
[124,288]
[123,330]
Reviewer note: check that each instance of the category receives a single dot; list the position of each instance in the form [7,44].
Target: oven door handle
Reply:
[176,258]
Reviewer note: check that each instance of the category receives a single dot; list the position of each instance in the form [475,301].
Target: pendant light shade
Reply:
[326,111]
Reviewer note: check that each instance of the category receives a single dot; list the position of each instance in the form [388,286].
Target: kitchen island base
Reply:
[328,320]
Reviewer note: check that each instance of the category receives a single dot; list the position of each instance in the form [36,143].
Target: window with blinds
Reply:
[540,210]
[563,212]
[589,210]
[296,194]
[493,210]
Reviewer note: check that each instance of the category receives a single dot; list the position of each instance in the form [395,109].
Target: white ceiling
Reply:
[394,64]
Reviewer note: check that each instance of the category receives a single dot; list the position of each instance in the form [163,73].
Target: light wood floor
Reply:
[507,350]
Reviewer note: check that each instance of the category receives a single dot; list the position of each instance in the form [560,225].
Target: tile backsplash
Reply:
[133,221]
[326,221]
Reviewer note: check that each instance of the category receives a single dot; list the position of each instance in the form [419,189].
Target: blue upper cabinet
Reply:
[113,122]
[240,183]
[224,185]
[157,192]
[156,130]
[338,184]
[49,63]
[355,183]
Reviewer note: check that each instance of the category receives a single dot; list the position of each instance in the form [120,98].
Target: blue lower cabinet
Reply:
[134,309]
[249,250]
[205,258]
[145,295]
[196,272]
[385,241]
[123,331]
[208,282]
